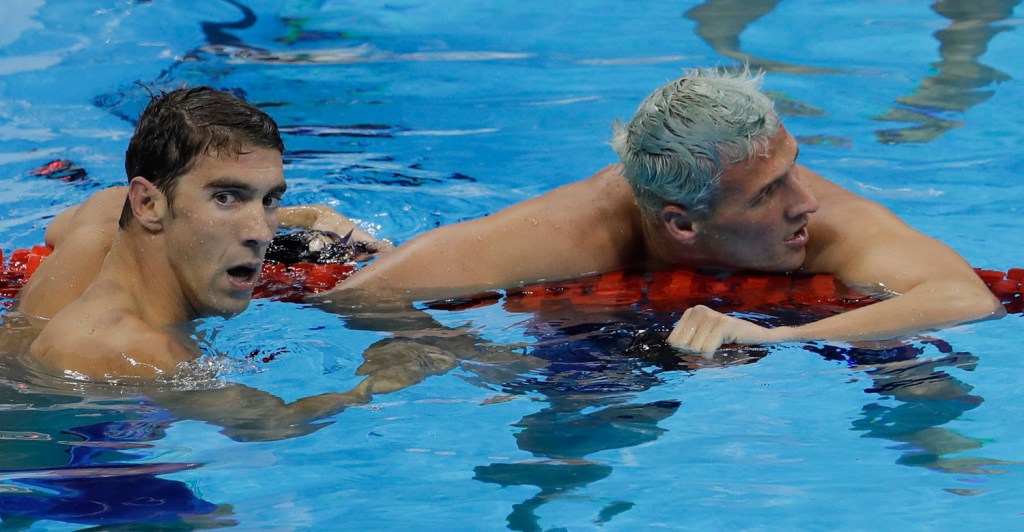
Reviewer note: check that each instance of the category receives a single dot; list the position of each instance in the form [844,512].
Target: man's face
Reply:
[222,217]
[759,221]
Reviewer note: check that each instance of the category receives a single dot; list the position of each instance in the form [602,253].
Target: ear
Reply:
[149,204]
[679,223]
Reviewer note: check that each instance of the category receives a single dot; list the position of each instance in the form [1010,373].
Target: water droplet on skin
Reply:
[534,222]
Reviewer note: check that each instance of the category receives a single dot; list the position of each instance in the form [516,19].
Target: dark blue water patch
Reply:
[788,106]
[832,141]
[108,495]
[292,157]
[373,176]
[101,483]
[128,102]
[358,168]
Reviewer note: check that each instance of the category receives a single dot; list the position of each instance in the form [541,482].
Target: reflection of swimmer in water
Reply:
[720,23]
[55,468]
[561,436]
[960,81]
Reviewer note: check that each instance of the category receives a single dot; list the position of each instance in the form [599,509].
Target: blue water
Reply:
[413,114]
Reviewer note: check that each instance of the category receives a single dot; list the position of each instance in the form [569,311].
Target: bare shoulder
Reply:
[109,343]
[81,237]
[844,226]
[99,212]
[864,243]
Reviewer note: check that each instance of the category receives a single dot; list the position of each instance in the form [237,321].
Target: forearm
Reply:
[929,306]
[249,414]
[926,307]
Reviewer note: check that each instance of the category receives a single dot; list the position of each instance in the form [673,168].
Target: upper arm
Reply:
[484,252]
[567,232]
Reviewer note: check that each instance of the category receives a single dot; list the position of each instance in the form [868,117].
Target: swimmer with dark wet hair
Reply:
[132,266]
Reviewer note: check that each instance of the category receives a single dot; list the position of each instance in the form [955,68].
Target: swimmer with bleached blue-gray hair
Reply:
[708,179]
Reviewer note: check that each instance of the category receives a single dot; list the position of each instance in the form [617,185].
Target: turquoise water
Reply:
[410,115]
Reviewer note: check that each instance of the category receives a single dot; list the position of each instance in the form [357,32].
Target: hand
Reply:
[393,364]
[334,222]
[702,330]
[324,218]
[343,226]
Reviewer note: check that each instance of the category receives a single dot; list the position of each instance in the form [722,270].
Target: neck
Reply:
[664,252]
[137,268]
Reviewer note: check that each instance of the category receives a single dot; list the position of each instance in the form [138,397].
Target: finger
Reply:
[683,331]
[713,340]
[709,334]
[692,328]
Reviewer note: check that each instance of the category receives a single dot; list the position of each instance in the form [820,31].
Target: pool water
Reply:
[408,115]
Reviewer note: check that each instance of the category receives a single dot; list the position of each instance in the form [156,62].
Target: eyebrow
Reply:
[238,184]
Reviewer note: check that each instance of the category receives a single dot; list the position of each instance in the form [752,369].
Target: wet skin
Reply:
[222,217]
[759,221]
[191,254]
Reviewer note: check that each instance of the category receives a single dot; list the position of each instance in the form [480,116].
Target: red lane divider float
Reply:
[660,291]
[15,270]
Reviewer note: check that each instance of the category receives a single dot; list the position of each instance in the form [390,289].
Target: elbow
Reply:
[995,309]
[978,304]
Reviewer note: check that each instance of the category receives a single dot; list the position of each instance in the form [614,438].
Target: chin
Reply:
[227,309]
[793,264]
[786,264]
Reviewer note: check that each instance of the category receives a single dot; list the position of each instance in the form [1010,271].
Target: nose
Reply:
[803,202]
[258,228]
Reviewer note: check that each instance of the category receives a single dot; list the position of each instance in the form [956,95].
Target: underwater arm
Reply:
[420,346]
[250,414]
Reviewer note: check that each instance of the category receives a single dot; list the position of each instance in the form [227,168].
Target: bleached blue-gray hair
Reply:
[689,131]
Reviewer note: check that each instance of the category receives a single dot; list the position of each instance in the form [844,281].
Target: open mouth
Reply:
[244,276]
[799,236]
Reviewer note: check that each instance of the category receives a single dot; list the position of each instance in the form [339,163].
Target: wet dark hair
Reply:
[178,127]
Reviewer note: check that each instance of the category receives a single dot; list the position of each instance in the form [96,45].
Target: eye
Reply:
[272,202]
[226,198]
[767,191]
